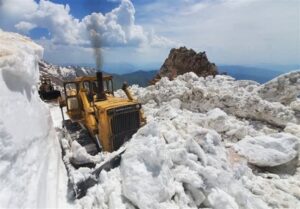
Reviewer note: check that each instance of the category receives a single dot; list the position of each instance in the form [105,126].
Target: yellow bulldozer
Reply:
[98,121]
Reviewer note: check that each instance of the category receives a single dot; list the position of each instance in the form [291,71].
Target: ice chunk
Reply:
[293,128]
[295,105]
[284,88]
[221,200]
[217,120]
[268,150]
[146,177]
[80,155]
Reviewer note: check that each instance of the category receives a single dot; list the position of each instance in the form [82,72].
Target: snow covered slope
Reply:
[31,169]
[59,73]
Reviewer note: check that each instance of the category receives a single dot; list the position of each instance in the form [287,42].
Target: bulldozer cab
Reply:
[71,90]
[87,84]
[90,85]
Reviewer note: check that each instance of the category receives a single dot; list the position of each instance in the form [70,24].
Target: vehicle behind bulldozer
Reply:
[47,91]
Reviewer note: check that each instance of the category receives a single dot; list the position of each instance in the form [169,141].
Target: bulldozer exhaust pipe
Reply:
[100,93]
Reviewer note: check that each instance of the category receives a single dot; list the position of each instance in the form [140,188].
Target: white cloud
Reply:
[63,27]
[70,37]
[25,27]
[116,28]
[17,7]
[14,11]
[231,31]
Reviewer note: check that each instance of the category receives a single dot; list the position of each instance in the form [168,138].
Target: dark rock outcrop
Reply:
[183,60]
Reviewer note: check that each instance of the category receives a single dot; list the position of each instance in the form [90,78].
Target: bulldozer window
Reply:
[95,87]
[87,86]
[73,104]
[71,89]
[108,87]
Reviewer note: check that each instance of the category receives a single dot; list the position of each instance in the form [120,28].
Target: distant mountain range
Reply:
[142,78]
[260,75]
[58,74]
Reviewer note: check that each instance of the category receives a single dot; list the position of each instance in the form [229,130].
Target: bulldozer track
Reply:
[78,133]
[79,188]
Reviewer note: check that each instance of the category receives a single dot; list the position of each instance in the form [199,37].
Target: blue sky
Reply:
[141,32]
[81,8]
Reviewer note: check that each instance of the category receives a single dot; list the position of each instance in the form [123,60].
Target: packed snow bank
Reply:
[31,169]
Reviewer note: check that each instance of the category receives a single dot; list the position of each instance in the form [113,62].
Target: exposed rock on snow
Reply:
[31,170]
[269,151]
[284,89]
[183,60]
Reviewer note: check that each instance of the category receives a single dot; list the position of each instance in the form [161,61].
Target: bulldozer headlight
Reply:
[138,106]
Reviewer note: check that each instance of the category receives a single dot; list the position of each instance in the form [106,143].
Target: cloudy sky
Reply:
[141,32]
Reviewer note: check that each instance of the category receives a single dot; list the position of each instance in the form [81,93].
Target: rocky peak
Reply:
[183,60]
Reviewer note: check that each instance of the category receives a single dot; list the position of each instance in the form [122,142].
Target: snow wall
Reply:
[30,166]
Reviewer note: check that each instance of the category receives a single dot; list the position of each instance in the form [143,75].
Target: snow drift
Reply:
[31,169]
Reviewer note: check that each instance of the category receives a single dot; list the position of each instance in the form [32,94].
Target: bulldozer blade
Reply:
[51,95]
[82,186]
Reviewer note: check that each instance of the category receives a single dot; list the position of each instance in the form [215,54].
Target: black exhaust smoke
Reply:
[100,93]
[93,30]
